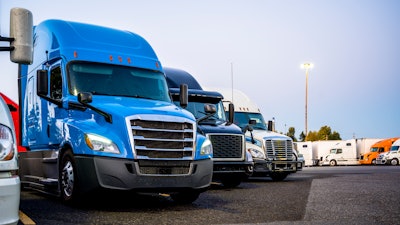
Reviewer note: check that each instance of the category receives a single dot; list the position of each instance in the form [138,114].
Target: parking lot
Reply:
[316,195]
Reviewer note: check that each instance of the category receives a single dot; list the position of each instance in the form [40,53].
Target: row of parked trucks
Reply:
[361,151]
[97,110]
[391,157]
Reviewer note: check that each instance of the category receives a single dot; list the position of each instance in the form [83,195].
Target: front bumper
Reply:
[122,174]
[381,161]
[266,167]
[10,191]
[244,169]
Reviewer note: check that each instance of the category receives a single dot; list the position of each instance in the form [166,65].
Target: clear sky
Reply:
[354,87]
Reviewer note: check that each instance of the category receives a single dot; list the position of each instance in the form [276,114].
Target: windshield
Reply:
[394,148]
[197,109]
[242,120]
[374,149]
[114,80]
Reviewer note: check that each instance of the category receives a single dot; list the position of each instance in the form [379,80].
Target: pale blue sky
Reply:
[354,45]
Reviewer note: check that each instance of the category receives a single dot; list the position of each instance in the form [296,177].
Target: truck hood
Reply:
[126,106]
[221,128]
[264,134]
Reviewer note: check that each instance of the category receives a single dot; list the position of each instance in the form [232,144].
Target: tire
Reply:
[185,197]
[231,182]
[373,162]
[394,162]
[68,177]
[332,163]
[278,176]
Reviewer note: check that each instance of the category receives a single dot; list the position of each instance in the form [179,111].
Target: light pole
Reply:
[306,66]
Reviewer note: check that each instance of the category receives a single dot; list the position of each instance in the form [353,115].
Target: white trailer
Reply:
[342,153]
[305,148]
[315,152]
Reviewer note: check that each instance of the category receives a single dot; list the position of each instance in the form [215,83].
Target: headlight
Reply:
[6,144]
[249,157]
[102,144]
[256,153]
[206,148]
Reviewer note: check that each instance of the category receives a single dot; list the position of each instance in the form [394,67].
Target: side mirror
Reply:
[270,125]
[85,97]
[183,95]
[42,83]
[249,126]
[21,29]
[210,108]
[231,113]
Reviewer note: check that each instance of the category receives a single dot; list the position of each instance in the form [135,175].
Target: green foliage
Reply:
[291,133]
[324,133]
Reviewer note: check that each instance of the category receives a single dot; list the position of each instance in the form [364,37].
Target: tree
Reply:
[312,136]
[291,133]
[302,137]
[324,133]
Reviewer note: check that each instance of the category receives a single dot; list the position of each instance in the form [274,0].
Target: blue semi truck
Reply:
[232,163]
[96,114]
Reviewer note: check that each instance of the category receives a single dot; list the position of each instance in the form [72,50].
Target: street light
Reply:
[306,66]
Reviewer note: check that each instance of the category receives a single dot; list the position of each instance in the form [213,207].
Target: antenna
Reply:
[232,80]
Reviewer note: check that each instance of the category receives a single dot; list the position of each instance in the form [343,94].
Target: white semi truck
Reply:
[273,153]
[334,152]
[342,153]
[391,157]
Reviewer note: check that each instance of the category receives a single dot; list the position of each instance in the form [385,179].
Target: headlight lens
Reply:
[102,144]
[206,148]
[256,153]
[249,157]
[6,143]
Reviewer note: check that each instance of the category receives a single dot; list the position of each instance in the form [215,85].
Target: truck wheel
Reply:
[394,162]
[185,197]
[231,182]
[373,162]
[278,176]
[332,163]
[67,177]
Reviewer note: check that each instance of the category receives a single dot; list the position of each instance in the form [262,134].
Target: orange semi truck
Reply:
[377,148]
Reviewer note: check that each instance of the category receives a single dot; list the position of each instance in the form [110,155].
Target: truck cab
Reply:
[232,163]
[273,153]
[392,157]
[343,153]
[383,146]
[96,114]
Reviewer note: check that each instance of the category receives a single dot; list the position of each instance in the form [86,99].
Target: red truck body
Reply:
[14,109]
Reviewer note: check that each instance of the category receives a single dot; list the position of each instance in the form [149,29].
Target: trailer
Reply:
[305,148]
[316,152]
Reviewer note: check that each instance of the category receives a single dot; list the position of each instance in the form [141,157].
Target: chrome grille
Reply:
[279,149]
[162,139]
[227,146]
